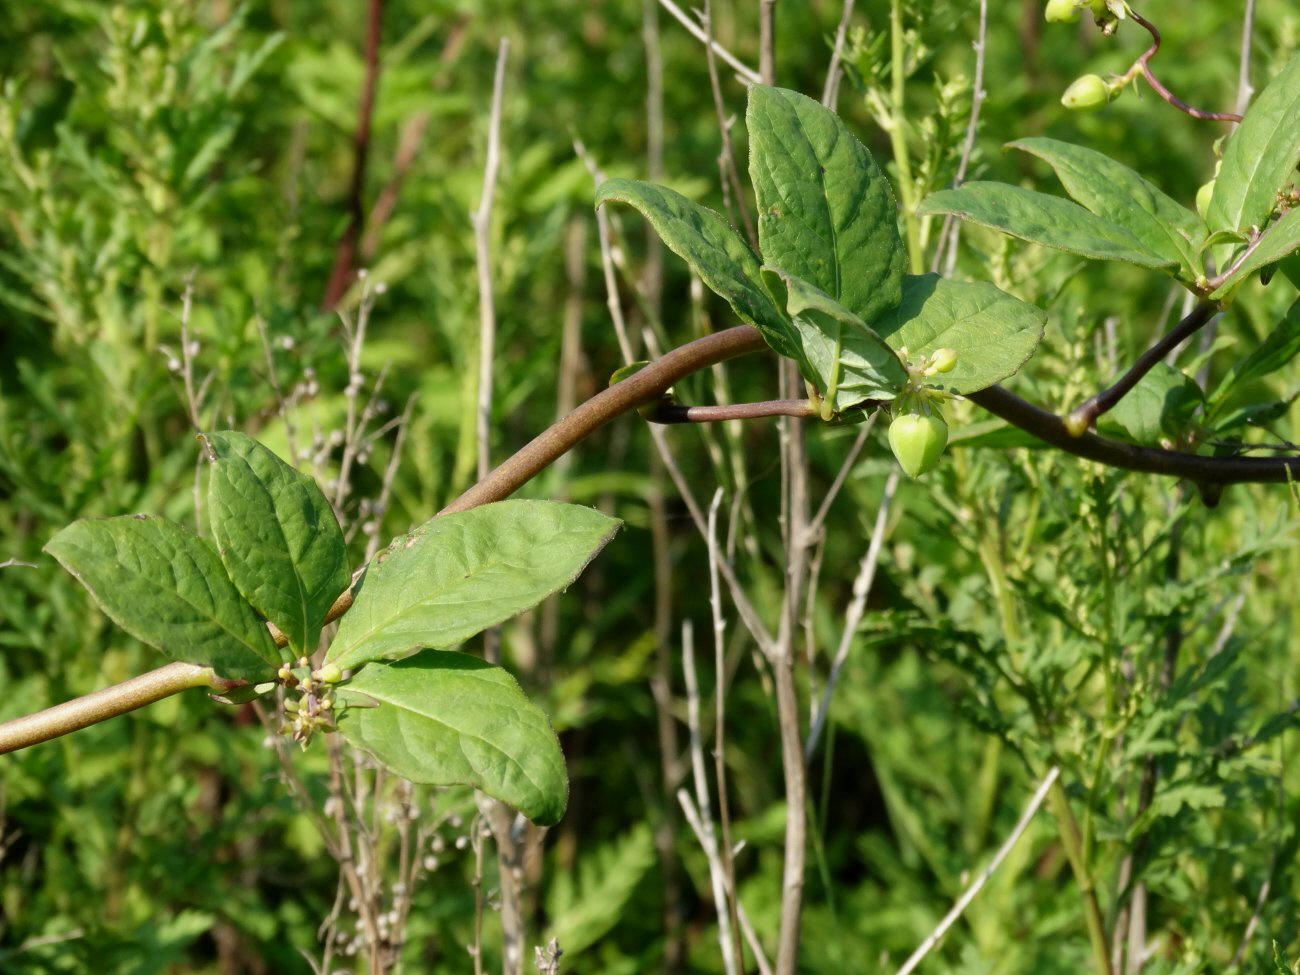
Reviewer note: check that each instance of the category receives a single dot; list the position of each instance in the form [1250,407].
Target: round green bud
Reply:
[1089,91]
[330,674]
[1061,11]
[917,442]
[1203,197]
[943,360]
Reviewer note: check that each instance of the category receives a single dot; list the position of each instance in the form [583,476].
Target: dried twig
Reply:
[962,902]
[747,74]
[853,615]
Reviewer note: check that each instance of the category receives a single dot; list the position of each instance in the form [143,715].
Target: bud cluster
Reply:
[312,709]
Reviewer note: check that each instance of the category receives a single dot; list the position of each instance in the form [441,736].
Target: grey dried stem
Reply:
[951,230]
[670,765]
[498,816]
[854,613]
[949,919]
[720,727]
[746,73]
[700,814]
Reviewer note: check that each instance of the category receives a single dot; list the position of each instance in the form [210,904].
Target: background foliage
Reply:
[1024,608]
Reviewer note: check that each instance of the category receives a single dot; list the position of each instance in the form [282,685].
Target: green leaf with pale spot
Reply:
[704,240]
[1042,219]
[867,367]
[992,332]
[451,719]
[1125,198]
[1260,156]
[459,574]
[167,587]
[277,536]
[826,213]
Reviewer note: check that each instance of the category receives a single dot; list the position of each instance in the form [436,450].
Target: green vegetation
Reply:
[282,282]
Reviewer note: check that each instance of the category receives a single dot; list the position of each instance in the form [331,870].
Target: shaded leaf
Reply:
[277,537]
[167,587]
[1158,406]
[1279,347]
[703,238]
[992,332]
[451,719]
[826,213]
[1042,219]
[1124,197]
[1259,156]
[459,574]
[839,349]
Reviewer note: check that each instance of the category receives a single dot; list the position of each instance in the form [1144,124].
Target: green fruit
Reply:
[330,674]
[1089,91]
[1061,11]
[1203,197]
[918,441]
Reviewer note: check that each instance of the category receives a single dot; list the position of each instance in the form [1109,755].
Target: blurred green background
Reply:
[150,146]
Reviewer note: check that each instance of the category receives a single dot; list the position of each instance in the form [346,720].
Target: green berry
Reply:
[1089,91]
[1061,11]
[918,441]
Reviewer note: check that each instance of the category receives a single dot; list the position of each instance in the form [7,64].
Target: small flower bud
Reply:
[1203,197]
[1089,91]
[1061,11]
[330,674]
[943,360]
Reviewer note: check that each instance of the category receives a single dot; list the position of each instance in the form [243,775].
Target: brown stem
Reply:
[108,703]
[642,387]
[345,254]
[1081,418]
[675,413]
[1160,89]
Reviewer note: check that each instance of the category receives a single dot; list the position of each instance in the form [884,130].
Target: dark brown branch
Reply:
[1051,429]
[1082,417]
[345,253]
[676,413]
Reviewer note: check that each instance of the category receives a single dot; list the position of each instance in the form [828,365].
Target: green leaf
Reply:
[703,238]
[1260,156]
[452,719]
[167,587]
[1280,239]
[849,362]
[1279,347]
[459,574]
[277,537]
[1160,405]
[992,332]
[1125,198]
[1254,415]
[825,211]
[1042,219]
